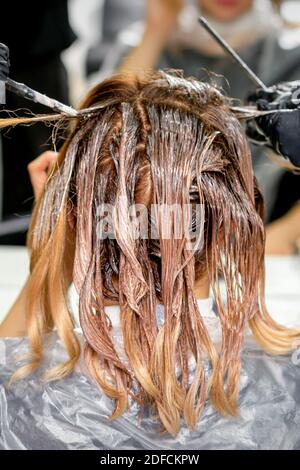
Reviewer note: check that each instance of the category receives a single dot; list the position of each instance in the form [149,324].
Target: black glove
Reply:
[4,62]
[281,130]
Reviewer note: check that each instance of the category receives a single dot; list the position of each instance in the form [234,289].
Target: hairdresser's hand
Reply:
[39,171]
[4,71]
[162,15]
[4,62]
[280,131]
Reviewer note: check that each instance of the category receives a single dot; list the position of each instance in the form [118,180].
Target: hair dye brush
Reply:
[25,91]
[227,48]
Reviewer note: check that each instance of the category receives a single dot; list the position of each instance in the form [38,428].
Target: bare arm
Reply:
[283,235]
[14,324]
[161,20]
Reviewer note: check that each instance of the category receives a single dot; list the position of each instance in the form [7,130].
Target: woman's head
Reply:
[154,190]
[168,122]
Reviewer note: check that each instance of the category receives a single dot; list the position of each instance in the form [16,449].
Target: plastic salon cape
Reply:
[73,413]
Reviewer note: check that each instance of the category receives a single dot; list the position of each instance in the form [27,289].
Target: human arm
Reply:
[14,324]
[160,22]
[283,235]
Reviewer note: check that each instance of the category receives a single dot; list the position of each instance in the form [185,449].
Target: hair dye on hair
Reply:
[158,141]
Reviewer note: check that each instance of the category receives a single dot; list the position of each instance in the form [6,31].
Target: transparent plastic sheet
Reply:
[73,413]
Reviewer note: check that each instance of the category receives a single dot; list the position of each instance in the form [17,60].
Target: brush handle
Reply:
[37,97]
[227,48]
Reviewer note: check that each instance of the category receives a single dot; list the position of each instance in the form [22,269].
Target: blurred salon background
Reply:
[77,43]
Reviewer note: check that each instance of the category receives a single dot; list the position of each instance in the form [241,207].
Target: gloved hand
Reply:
[4,62]
[280,130]
[4,70]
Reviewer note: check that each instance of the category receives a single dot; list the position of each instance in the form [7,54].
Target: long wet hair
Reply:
[153,141]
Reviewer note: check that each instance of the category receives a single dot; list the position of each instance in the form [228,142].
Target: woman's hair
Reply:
[156,142]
